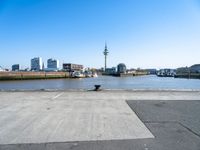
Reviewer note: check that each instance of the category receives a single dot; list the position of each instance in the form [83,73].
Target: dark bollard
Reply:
[97,87]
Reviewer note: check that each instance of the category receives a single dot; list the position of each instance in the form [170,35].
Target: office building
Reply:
[36,64]
[15,67]
[52,64]
[72,67]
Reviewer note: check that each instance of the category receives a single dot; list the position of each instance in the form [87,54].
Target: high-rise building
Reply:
[15,67]
[52,64]
[36,64]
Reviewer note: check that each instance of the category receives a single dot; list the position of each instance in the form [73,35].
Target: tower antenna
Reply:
[105,52]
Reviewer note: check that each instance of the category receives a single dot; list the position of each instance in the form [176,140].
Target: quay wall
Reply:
[126,74]
[188,75]
[32,75]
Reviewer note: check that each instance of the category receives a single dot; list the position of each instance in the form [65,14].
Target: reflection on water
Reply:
[107,82]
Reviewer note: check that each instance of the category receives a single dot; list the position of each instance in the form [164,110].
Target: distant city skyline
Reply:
[145,34]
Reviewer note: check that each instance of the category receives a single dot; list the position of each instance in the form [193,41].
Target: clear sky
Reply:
[139,33]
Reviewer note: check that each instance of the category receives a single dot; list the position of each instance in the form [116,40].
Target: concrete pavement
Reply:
[55,117]
[100,120]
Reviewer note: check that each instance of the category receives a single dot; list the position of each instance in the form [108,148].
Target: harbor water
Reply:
[149,82]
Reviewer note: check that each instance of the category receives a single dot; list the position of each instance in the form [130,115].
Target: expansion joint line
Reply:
[177,122]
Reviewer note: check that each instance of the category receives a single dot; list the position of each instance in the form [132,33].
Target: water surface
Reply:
[107,82]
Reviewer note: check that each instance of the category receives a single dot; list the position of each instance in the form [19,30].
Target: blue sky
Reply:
[139,33]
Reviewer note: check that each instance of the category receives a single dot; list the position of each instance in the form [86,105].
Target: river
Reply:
[149,82]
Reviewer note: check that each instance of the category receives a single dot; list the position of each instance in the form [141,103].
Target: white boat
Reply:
[94,75]
[77,74]
[88,74]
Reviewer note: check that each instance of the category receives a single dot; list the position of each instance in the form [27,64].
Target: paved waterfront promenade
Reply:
[110,119]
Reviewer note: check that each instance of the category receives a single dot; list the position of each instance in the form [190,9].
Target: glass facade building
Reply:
[36,64]
[52,64]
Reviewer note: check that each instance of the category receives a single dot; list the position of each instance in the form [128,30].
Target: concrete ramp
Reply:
[61,120]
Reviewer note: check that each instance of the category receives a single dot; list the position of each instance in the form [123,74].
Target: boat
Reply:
[94,75]
[88,74]
[77,74]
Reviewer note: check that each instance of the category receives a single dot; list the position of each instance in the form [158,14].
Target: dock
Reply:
[12,75]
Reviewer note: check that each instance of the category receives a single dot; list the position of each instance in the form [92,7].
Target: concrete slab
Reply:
[168,136]
[53,118]
[185,112]
[174,123]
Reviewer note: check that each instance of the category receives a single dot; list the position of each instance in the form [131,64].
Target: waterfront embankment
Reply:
[14,75]
[126,74]
[32,75]
[188,75]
